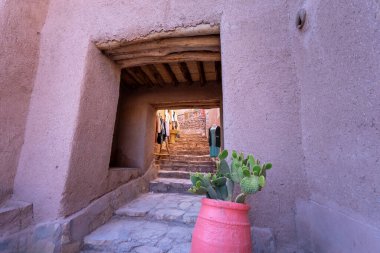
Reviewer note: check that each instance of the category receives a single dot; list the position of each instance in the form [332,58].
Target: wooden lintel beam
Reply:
[218,70]
[176,57]
[202,76]
[156,75]
[199,30]
[171,74]
[185,72]
[160,52]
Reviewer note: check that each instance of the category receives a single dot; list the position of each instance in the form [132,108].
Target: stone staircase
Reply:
[161,221]
[153,223]
[189,154]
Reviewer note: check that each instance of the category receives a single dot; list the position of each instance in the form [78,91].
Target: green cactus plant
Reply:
[247,172]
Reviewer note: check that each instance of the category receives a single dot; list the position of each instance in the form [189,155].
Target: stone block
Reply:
[169,214]
[15,216]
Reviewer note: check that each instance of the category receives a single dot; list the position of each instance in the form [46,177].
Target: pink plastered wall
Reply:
[337,59]
[261,106]
[20,26]
[306,101]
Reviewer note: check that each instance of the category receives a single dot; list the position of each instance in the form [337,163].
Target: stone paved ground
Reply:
[163,221]
[155,222]
[159,222]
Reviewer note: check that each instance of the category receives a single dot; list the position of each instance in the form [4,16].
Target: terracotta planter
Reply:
[222,226]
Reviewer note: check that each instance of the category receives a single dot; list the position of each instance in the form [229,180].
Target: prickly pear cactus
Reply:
[250,185]
[247,171]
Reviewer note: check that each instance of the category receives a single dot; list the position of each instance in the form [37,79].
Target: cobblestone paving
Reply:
[155,222]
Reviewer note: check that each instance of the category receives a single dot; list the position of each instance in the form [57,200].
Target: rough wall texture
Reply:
[192,122]
[93,135]
[261,108]
[305,101]
[20,26]
[337,58]
[47,156]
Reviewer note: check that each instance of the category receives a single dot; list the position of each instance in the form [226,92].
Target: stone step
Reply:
[185,162]
[190,142]
[182,208]
[15,216]
[154,222]
[192,152]
[190,168]
[170,185]
[136,235]
[188,157]
[183,157]
[174,174]
[189,147]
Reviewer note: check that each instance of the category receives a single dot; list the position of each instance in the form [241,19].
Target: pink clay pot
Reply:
[222,227]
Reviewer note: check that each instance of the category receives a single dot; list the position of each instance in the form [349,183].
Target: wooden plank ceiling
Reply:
[169,61]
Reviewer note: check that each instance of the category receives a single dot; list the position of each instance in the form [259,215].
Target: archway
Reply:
[177,69]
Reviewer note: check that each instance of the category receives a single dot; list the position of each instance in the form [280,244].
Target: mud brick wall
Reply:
[192,122]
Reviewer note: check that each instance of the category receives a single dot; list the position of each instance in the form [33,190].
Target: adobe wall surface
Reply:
[54,118]
[261,106]
[192,122]
[306,102]
[20,24]
[337,59]
[91,149]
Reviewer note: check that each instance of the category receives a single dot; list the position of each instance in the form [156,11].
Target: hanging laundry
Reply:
[214,140]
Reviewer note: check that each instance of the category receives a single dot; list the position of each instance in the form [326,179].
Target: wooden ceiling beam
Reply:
[142,76]
[127,78]
[176,57]
[218,70]
[171,74]
[201,71]
[133,76]
[185,72]
[156,75]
